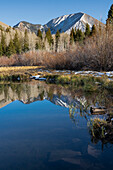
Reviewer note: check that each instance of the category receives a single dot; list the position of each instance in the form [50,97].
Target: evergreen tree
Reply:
[87,31]
[8,29]
[49,37]
[110,15]
[3,43]
[11,48]
[79,36]
[26,42]
[72,36]
[1,28]
[17,44]
[36,46]
[93,30]
[57,38]
[39,34]
[1,52]
[43,46]
[75,30]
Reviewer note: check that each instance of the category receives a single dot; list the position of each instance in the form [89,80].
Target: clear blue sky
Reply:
[41,11]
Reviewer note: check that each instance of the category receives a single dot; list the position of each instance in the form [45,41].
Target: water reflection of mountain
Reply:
[77,102]
[63,96]
[35,91]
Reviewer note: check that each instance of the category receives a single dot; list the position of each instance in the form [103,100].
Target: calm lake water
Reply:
[44,127]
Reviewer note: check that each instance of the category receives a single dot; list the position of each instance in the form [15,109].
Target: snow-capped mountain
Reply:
[64,23]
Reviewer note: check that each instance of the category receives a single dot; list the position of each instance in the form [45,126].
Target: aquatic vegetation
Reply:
[101,130]
[97,127]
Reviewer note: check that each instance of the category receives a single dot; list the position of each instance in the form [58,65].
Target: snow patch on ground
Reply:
[37,77]
[108,75]
[94,73]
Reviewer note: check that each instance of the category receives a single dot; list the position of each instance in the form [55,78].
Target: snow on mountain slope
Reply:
[64,23]
[67,22]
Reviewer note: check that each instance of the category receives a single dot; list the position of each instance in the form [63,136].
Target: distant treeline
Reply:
[15,42]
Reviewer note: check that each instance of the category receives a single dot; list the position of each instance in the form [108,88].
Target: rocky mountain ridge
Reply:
[63,23]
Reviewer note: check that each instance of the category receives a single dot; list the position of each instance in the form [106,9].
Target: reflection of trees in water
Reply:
[15,87]
[27,90]
[54,90]
[100,130]
[102,98]
[18,89]
[6,87]
[80,109]
[41,95]
[50,94]
[1,88]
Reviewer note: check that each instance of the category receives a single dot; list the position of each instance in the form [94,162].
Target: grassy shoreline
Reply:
[87,83]
[17,72]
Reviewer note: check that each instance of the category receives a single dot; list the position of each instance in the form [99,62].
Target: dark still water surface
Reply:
[38,132]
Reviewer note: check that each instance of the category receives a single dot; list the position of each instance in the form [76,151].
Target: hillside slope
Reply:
[4,25]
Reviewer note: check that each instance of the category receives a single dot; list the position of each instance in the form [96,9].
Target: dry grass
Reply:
[12,73]
[18,68]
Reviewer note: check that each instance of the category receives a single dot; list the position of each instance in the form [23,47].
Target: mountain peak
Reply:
[22,25]
[63,23]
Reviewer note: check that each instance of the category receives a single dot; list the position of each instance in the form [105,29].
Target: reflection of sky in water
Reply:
[42,136]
